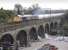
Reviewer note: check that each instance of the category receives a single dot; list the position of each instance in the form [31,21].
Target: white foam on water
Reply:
[62,38]
[39,38]
[46,35]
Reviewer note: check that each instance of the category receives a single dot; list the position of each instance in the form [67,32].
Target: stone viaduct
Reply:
[27,31]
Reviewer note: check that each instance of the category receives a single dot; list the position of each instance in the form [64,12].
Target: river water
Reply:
[53,40]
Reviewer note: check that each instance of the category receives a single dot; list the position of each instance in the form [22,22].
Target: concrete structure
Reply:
[27,31]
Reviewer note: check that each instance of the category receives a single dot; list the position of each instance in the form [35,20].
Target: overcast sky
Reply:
[53,4]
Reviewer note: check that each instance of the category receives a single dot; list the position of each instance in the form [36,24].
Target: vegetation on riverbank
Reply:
[5,15]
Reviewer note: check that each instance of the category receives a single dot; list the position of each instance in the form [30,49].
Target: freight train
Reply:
[19,19]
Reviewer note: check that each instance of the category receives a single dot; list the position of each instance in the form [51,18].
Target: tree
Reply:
[28,11]
[18,9]
[5,15]
[35,6]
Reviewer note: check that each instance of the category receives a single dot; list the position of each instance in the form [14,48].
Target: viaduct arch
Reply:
[6,41]
[41,32]
[33,34]
[22,38]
